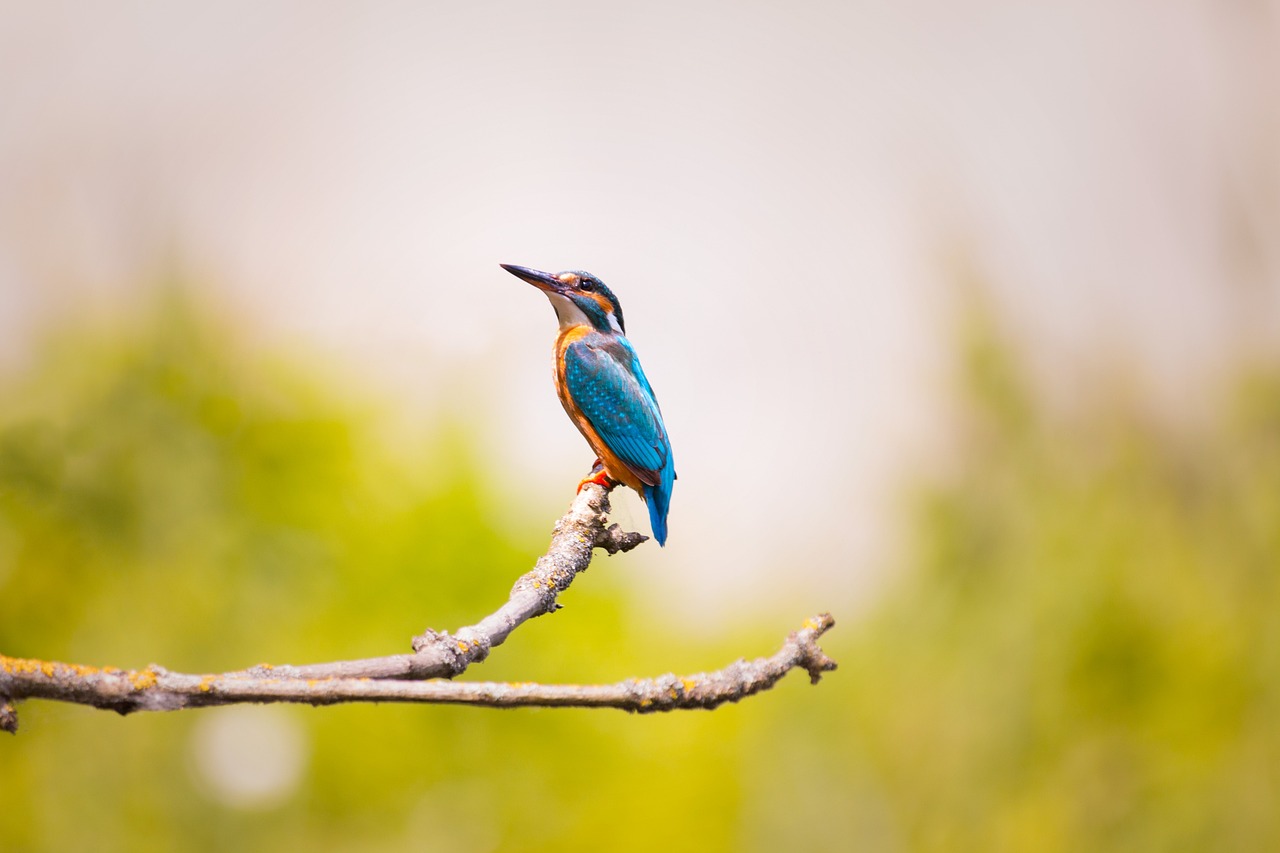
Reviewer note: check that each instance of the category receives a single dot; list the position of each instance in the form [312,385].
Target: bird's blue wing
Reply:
[606,382]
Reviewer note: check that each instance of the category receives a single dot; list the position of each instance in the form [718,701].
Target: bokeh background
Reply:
[965,319]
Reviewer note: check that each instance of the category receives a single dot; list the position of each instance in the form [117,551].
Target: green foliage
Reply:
[1081,653]
[1084,655]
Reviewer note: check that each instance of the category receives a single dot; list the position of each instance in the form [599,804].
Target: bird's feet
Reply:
[599,477]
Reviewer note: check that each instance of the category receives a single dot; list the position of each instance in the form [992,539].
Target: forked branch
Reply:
[436,656]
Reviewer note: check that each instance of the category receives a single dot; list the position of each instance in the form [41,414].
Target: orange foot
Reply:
[599,477]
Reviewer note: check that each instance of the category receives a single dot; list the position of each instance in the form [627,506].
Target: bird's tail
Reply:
[658,499]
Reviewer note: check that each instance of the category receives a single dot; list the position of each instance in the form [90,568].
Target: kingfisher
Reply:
[605,392]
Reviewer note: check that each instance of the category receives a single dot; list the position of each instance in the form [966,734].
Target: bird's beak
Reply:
[544,281]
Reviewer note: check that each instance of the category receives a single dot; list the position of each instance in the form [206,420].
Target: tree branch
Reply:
[157,689]
[437,654]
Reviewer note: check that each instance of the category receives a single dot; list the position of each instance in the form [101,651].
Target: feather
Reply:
[605,381]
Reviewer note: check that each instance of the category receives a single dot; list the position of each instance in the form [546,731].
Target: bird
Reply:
[603,389]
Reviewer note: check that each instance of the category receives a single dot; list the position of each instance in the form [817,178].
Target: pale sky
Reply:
[782,195]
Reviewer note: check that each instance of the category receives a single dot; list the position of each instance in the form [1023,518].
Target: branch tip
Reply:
[613,539]
[8,716]
[816,663]
[808,653]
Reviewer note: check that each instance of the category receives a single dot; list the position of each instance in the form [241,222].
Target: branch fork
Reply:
[437,656]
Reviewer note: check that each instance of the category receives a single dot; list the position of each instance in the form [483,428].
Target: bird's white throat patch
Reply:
[569,314]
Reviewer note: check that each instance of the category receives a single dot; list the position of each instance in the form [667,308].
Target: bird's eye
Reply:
[587,284]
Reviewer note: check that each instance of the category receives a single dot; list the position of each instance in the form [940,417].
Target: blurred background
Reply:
[965,319]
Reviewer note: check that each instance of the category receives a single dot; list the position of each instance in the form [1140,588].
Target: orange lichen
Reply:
[143,679]
[18,666]
[46,668]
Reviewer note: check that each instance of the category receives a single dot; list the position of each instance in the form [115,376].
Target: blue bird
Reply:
[604,390]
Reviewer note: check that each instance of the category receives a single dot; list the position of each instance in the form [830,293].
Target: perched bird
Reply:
[603,388]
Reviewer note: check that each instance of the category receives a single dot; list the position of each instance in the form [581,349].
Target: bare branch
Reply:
[156,689]
[437,655]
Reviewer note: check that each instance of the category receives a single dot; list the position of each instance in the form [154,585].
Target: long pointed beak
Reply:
[544,281]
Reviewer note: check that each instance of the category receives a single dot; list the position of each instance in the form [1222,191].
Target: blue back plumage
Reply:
[604,377]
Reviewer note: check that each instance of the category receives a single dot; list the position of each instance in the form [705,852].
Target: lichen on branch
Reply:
[422,676]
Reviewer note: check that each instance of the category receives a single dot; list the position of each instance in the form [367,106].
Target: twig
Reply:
[156,689]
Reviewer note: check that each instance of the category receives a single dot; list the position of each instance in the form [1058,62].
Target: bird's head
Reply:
[578,297]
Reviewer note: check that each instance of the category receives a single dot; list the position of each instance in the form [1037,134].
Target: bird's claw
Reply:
[598,476]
